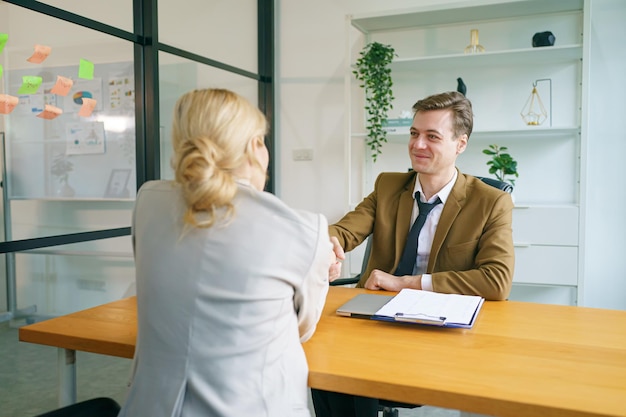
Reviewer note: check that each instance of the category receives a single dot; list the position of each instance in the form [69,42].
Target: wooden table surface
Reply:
[520,359]
[109,329]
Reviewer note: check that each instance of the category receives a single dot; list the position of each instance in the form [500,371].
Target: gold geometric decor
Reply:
[534,113]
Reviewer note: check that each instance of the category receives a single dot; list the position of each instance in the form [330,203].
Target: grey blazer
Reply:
[222,311]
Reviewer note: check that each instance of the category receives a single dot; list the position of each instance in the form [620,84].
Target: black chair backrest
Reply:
[501,185]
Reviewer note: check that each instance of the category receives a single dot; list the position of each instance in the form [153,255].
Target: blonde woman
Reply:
[229,279]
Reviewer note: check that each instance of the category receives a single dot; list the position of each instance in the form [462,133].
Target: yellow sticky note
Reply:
[87,108]
[4,37]
[40,54]
[50,112]
[7,103]
[30,84]
[62,86]
[85,70]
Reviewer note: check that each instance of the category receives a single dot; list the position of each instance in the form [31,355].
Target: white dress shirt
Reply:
[425,239]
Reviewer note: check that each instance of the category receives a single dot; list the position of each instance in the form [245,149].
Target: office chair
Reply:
[389,408]
[95,407]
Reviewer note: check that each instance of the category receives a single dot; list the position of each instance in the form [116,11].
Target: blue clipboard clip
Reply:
[420,318]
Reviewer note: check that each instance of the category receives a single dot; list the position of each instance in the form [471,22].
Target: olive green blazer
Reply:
[472,250]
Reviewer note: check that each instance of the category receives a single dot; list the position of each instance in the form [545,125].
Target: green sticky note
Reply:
[1,70]
[30,84]
[4,37]
[85,70]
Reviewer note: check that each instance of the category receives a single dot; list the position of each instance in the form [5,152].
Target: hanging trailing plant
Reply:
[501,163]
[372,69]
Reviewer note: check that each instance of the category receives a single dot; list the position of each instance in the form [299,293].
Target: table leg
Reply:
[67,376]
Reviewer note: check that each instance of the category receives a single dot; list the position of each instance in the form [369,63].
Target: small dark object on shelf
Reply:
[543,39]
[460,86]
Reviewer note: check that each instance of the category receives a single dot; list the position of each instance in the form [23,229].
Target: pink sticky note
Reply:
[50,112]
[7,103]
[40,54]
[62,86]
[88,105]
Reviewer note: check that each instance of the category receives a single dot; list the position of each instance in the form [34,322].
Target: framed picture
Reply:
[118,180]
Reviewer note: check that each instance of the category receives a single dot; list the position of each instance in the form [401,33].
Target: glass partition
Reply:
[223,30]
[76,139]
[178,76]
[118,13]
[71,136]
[68,278]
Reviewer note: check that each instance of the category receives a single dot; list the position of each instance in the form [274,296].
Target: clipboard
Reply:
[432,309]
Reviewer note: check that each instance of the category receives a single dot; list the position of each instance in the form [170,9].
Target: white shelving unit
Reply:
[430,46]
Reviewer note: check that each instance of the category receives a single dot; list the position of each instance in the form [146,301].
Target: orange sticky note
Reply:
[7,103]
[87,108]
[62,86]
[50,112]
[40,54]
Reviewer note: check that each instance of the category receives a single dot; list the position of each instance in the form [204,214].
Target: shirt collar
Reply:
[243,181]
[443,194]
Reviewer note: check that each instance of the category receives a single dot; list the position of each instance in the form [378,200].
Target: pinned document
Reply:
[30,84]
[62,86]
[50,112]
[85,69]
[4,37]
[40,54]
[7,103]
[87,107]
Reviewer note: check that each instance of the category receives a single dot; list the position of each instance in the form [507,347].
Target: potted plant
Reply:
[60,169]
[501,163]
[372,69]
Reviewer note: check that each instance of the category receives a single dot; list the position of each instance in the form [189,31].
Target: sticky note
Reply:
[85,70]
[30,84]
[87,108]
[7,103]
[1,70]
[40,54]
[4,37]
[50,112]
[62,86]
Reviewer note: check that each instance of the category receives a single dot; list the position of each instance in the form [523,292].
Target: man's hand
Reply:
[338,255]
[379,280]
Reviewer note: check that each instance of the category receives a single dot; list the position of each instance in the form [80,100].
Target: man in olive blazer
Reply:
[465,245]
[472,250]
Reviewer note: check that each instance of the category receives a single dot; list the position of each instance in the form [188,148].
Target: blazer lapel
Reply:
[403,218]
[451,209]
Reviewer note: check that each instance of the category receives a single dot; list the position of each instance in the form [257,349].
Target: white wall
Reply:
[311,101]
[605,228]
[311,114]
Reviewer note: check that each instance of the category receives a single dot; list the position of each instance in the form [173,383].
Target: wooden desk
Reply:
[520,359]
[109,329]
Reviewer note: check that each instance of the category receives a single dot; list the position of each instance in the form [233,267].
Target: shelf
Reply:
[480,10]
[507,58]
[524,133]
